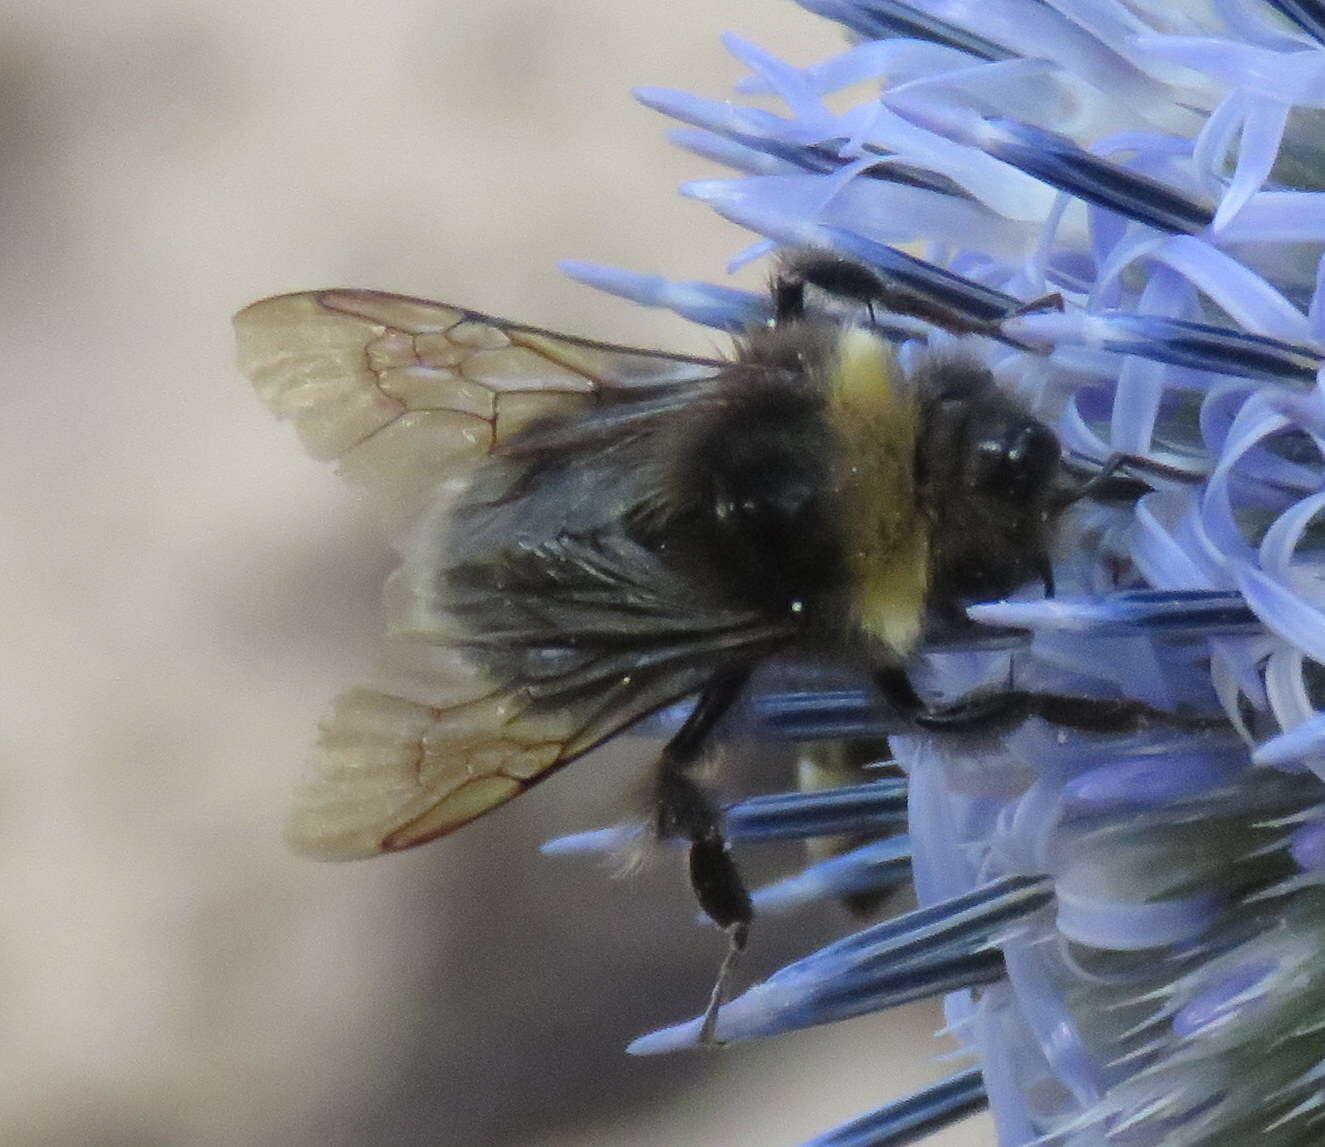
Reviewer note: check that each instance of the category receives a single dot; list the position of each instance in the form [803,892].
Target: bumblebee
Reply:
[589,532]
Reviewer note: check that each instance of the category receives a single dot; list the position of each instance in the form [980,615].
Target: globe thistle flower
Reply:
[1128,931]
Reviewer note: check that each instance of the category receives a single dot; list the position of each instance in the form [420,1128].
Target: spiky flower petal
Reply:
[1130,930]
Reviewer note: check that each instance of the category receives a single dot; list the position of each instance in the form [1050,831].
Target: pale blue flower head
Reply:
[1129,932]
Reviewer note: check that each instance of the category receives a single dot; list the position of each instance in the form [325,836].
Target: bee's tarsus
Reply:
[1115,715]
[738,936]
[1109,484]
[1050,302]
[685,811]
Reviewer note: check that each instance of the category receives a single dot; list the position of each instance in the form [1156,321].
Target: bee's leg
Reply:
[788,298]
[1044,570]
[832,275]
[1105,485]
[849,280]
[1108,485]
[685,811]
[1050,302]
[1007,708]
[895,687]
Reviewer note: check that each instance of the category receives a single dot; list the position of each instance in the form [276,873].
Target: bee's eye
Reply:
[1017,458]
[1034,456]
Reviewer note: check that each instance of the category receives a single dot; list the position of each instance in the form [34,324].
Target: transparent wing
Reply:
[408,395]
[438,742]
[460,722]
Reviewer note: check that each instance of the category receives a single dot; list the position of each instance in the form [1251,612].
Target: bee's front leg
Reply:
[992,710]
[686,812]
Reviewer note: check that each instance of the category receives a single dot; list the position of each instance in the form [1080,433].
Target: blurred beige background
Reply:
[183,591]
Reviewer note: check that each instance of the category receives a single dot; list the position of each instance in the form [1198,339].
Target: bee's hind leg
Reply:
[685,811]
[1007,708]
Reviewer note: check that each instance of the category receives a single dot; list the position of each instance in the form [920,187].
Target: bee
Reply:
[589,532]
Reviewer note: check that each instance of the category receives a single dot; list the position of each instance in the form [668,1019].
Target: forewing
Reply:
[407,396]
